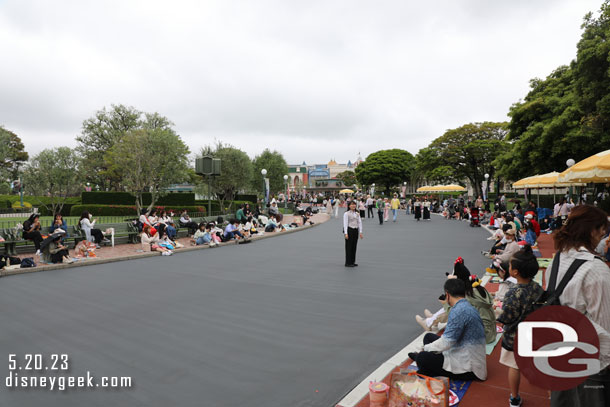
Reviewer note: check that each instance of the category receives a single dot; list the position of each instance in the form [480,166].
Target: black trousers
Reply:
[59,256]
[192,227]
[370,212]
[34,236]
[350,246]
[98,236]
[431,363]
[380,214]
[362,213]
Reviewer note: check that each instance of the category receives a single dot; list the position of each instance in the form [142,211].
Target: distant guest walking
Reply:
[395,205]
[380,205]
[352,227]
[417,209]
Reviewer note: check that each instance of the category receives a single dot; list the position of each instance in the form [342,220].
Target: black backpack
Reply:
[27,262]
[554,291]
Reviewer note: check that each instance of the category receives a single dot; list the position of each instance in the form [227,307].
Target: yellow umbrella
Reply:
[346,191]
[594,169]
[426,188]
[449,188]
[523,183]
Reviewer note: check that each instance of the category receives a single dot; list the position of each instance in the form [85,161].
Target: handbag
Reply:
[416,390]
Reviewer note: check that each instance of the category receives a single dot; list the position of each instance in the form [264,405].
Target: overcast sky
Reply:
[313,79]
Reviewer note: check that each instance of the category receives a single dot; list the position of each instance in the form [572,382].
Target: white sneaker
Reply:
[38,252]
[165,253]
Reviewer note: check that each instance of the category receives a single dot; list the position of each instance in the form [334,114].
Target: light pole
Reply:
[404,189]
[373,189]
[263,173]
[570,162]
[286,189]
[486,187]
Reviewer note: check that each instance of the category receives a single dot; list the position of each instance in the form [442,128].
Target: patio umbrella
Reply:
[346,191]
[426,188]
[595,169]
[448,188]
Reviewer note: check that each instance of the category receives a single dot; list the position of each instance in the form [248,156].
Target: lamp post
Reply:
[404,189]
[373,189]
[570,162]
[486,191]
[287,193]
[264,173]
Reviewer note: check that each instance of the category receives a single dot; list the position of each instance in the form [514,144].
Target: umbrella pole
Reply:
[538,197]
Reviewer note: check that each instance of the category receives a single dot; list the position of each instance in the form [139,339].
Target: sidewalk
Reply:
[128,251]
[493,392]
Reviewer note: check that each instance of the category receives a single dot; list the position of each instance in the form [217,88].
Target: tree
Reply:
[348,178]
[566,115]
[276,167]
[386,167]
[471,149]
[149,160]
[236,171]
[54,173]
[12,154]
[430,166]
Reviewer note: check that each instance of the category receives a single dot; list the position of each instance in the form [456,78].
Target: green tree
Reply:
[386,167]
[54,173]
[276,167]
[471,149]
[149,160]
[566,115]
[12,154]
[348,178]
[430,166]
[236,171]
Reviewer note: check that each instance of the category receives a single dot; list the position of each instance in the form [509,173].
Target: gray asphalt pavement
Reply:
[279,322]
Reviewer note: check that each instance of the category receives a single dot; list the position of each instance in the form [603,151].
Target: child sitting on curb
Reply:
[523,267]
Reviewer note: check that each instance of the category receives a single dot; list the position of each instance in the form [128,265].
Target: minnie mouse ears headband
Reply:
[474,280]
[459,260]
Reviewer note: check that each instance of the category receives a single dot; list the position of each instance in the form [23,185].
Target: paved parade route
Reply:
[279,322]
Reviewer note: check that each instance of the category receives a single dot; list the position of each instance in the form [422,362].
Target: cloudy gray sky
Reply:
[314,79]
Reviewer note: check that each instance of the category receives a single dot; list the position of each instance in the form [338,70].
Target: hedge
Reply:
[216,205]
[127,210]
[125,198]
[247,198]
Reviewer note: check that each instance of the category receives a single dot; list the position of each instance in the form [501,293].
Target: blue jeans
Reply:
[171,231]
[231,235]
[394,213]
[202,240]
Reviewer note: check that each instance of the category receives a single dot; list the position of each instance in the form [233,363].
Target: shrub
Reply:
[127,210]
[125,198]
[17,204]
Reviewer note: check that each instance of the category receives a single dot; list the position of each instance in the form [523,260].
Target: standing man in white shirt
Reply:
[352,227]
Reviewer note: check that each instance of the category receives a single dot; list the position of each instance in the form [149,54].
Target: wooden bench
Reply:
[13,246]
[122,231]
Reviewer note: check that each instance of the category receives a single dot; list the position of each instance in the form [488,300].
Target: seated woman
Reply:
[31,231]
[168,225]
[506,283]
[143,220]
[203,235]
[55,251]
[150,241]
[271,225]
[87,226]
[59,223]
[251,225]
[476,295]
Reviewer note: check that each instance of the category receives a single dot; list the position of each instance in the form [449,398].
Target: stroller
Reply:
[474,217]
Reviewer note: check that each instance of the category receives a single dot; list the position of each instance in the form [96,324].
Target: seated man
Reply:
[460,353]
[232,231]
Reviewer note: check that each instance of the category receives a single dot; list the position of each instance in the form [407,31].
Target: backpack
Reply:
[27,262]
[554,291]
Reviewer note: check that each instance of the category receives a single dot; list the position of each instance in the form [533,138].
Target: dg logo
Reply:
[557,348]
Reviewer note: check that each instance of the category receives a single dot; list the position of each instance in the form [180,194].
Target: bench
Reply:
[123,230]
[12,246]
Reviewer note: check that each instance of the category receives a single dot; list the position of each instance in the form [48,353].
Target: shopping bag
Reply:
[416,390]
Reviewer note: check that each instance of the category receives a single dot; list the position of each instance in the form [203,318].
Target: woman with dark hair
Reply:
[31,231]
[86,225]
[588,291]
[352,227]
[168,223]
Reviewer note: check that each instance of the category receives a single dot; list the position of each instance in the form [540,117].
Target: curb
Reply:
[60,266]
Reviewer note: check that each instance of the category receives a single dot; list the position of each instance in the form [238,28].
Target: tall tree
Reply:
[149,160]
[276,167]
[348,178]
[566,115]
[430,166]
[386,168]
[12,154]
[54,173]
[236,171]
[103,131]
[471,149]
